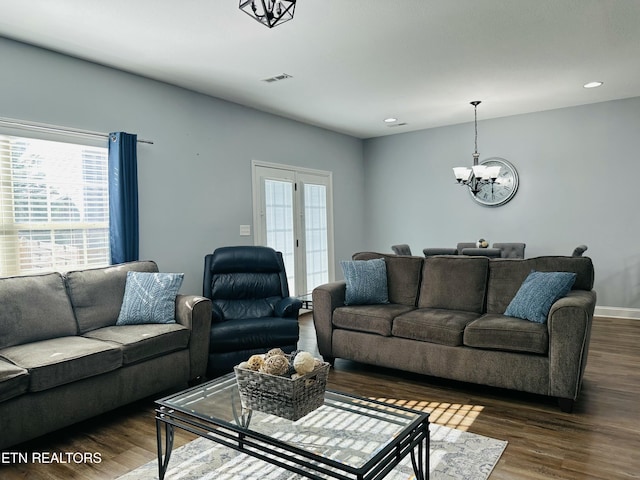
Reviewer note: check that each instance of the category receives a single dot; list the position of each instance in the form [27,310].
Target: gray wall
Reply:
[195,181]
[578,184]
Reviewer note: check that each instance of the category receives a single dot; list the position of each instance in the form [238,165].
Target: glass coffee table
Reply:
[349,437]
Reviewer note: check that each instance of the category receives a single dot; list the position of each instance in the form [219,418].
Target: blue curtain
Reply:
[123,197]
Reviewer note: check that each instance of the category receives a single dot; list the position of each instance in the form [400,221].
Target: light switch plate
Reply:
[245,230]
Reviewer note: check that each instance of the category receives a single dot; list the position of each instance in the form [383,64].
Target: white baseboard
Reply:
[617,312]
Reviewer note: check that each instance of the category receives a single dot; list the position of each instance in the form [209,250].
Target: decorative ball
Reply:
[304,363]
[274,351]
[275,365]
[244,365]
[255,362]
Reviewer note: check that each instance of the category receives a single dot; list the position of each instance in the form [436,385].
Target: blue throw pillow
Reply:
[366,281]
[537,293]
[150,298]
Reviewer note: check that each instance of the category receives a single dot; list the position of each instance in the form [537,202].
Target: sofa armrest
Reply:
[288,307]
[326,298]
[194,312]
[569,325]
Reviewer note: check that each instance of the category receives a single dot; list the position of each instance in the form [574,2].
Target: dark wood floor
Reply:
[600,440]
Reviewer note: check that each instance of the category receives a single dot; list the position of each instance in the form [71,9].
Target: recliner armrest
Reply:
[288,307]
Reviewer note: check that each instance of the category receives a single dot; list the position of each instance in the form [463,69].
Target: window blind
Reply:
[54,206]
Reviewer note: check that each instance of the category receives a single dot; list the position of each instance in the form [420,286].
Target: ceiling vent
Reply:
[397,124]
[277,78]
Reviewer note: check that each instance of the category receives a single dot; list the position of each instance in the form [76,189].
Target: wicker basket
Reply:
[282,396]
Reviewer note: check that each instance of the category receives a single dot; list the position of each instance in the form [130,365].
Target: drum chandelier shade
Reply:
[269,12]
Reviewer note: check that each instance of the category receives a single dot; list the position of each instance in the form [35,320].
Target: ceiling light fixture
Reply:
[477,175]
[593,84]
[390,120]
[269,12]
[277,78]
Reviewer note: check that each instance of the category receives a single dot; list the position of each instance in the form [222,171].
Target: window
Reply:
[54,206]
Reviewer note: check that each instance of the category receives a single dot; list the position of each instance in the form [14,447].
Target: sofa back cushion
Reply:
[403,276]
[454,283]
[34,308]
[506,276]
[244,281]
[246,295]
[96,294]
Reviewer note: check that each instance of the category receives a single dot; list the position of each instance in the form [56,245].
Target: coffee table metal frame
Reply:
[412,440]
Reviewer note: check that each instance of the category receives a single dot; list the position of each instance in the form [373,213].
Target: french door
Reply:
[292,210]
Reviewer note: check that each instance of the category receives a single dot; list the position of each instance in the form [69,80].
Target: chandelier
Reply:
[477,175]
[269,12]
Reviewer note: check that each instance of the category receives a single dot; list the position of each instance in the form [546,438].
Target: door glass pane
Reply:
[279,223]
[315,219]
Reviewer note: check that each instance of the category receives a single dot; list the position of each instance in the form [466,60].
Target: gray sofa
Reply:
[63,359]
[445,318]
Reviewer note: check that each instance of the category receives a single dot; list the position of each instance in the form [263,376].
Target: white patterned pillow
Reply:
[149,298]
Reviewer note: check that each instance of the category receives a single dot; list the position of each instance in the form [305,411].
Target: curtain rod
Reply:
[43,127]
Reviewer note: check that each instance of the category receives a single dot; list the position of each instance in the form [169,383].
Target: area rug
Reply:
[454,455]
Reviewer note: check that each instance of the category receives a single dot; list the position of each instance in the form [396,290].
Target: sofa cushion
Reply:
[63,360]
[537,293]
[247,308]
[34,308]
[240,294]
[244,334]
[369,318]
[403,276]
[445,327]
[142,342]
[14,380]
[366,282]
[499,332]
[149,297]
[246,285]
[96,294]
[507,274]
[454,283]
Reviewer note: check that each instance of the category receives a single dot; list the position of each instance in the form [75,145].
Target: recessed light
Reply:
[593,84]
[390,120]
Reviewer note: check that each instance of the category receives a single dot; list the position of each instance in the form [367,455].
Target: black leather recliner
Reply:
[252,311]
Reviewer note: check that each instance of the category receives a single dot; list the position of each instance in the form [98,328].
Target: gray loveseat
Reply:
[63,359]
[445,318]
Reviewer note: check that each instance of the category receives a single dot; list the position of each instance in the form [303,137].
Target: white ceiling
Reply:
[356,62]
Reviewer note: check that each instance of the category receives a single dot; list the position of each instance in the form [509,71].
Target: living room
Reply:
[575,164]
